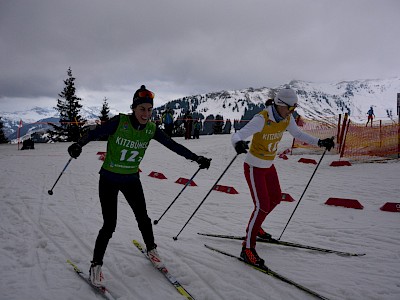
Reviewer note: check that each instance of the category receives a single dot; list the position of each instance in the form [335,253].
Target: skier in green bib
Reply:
[128,139]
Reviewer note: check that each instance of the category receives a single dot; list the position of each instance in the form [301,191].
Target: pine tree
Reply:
[3,138]
[105,110]
[71,122]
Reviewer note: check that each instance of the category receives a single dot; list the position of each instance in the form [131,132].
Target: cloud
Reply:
[181,47]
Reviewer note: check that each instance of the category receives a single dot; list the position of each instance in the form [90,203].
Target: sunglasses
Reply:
[290,107]
[146,94]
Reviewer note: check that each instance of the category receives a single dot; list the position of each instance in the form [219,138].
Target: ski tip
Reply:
[74,266]
[70,262]
[204,234]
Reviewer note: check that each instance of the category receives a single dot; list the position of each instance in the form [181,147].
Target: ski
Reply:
[165,272]
[102,290]
[274,274]
[283,243]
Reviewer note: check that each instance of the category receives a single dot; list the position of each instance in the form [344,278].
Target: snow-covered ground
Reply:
[40,232]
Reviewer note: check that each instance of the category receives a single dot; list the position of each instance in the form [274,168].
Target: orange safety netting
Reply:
[316,128]
[355,141]
[380,140]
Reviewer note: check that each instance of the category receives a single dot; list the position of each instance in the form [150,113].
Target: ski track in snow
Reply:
[40,232]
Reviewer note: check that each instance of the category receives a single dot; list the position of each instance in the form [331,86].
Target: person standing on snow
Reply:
[167,119]
[196,129]
[188,122]
[371,116]
[267,128]
[128,139]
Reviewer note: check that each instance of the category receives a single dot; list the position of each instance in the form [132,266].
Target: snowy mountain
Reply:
[37,119]
[353,97]
[317,101]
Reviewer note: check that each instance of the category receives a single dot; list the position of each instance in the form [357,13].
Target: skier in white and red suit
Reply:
[267,128]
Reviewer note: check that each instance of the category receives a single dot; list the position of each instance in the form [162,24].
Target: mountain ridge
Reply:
[316,101]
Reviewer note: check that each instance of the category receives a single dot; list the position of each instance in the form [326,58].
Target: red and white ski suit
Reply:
[259,171]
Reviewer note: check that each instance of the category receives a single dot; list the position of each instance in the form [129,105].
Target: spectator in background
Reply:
[236,125]
[188,122]
[196,129]
[371,116]
[157,121]
[167,119]
[28,144]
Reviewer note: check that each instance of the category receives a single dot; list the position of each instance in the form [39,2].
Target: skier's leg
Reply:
[273,187]
[256,181]
[134,195]
[108,193]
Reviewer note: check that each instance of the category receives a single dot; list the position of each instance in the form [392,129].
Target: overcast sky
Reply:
[186,47]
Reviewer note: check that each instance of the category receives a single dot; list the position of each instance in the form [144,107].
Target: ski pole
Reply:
[51,191]
[190,180]
[323,154]
[176,237]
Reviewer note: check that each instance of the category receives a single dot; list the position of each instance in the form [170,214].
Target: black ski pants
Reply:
[108,193]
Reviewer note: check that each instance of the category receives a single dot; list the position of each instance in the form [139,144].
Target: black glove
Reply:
[75,150]
[327,143]
[241,147]
[204,163]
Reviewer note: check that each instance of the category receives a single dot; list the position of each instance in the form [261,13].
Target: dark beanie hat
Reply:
[142,95]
